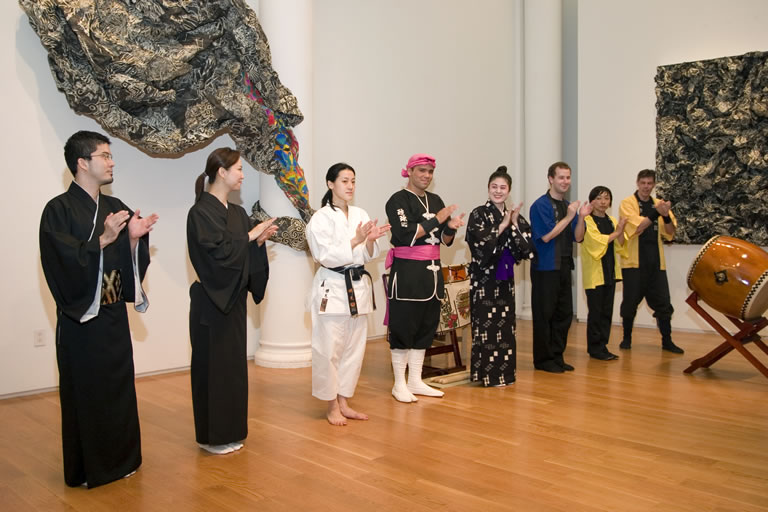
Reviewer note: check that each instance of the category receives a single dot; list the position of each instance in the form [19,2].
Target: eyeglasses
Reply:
[105,156]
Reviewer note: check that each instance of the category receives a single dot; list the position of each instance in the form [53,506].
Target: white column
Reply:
[286,328]
[542,102]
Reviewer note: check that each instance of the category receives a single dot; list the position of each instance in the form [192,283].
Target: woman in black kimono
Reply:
[498,239]
[228,264]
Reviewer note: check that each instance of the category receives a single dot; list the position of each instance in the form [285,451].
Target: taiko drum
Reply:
[731,275]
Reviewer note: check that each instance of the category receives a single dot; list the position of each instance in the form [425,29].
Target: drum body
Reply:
[455,273]
[731,275]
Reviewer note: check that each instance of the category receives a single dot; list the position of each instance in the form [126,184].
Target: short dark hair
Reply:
[556,165]
[647,173]
[81,145]
[331,175]
[599,190]
[500,172]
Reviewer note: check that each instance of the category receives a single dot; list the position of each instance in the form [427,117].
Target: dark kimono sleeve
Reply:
[258,272]
[123,244]
[521,243]
[70,264]
[403,223]
[482,237]
[218,256]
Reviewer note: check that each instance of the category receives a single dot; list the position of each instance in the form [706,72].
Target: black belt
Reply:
[355,273]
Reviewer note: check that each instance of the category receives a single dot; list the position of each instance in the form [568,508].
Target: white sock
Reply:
[235,446]
[415,384]
[399,364]
[217,449]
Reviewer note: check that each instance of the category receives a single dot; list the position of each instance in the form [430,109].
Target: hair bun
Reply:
[502,168]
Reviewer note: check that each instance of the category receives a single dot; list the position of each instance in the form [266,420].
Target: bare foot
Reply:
[349,412]
[334,414]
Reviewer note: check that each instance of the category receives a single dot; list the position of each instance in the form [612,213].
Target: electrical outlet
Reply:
[38,337]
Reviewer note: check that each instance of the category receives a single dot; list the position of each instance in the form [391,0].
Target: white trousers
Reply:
[338,347]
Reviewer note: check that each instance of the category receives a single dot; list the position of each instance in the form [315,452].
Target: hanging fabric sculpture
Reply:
[170,75]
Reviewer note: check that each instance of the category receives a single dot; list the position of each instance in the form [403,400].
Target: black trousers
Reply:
[651,285]
[412,323]
[600,304]
[552,311]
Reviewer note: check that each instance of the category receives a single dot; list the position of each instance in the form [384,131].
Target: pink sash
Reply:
[419,252]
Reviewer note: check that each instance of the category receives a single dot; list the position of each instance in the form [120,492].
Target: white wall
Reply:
[620,46]
[401,77]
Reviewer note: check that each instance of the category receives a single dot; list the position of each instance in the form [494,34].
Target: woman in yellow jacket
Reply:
[601,268]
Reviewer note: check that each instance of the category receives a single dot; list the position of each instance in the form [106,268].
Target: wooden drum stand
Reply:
[747,332]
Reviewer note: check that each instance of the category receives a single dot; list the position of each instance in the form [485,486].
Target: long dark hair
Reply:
[222,157]
[331,175]
[501,172]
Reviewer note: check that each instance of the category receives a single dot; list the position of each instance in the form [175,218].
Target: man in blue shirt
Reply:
[555,225]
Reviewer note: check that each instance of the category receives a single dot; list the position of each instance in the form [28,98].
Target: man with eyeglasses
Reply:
[94,252]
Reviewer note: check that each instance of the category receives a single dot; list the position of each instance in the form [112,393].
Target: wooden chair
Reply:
[447,342]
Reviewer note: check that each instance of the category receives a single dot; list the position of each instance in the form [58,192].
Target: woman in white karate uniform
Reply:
[342,238]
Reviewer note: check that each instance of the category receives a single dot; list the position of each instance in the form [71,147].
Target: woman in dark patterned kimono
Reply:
[230,259]
[498,239]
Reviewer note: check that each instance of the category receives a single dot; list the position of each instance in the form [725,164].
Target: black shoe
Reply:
[549,366]
[604,356]
[625,344]
[671,347]
[565,366]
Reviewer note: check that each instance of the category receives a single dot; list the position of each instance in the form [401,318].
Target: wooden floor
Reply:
[629,435]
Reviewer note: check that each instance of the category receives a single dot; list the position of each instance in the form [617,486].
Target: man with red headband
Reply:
[420,221]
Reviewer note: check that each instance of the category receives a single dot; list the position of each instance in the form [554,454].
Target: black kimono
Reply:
[99,415]
[227,266]
[492,298]
[415,286]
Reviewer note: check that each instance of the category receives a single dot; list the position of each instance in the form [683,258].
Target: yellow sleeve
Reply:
[595,243]
[620,244]
[630,210]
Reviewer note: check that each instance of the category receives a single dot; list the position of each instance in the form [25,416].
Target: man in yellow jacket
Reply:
[649,221]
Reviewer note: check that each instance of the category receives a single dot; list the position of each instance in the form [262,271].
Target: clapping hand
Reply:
[262,231]
[516,214]
[445,213]
[377,232]
[663,208]
[573,208]
[456,222]
[510,218]
[138,226]
[113,225]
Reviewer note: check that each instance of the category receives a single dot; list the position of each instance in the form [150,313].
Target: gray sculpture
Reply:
[169,76]
[712,146]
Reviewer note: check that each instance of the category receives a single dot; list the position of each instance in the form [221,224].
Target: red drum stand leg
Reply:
[747,332]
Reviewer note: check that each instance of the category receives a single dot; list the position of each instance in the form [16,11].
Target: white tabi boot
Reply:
[415,384]
[399,363]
